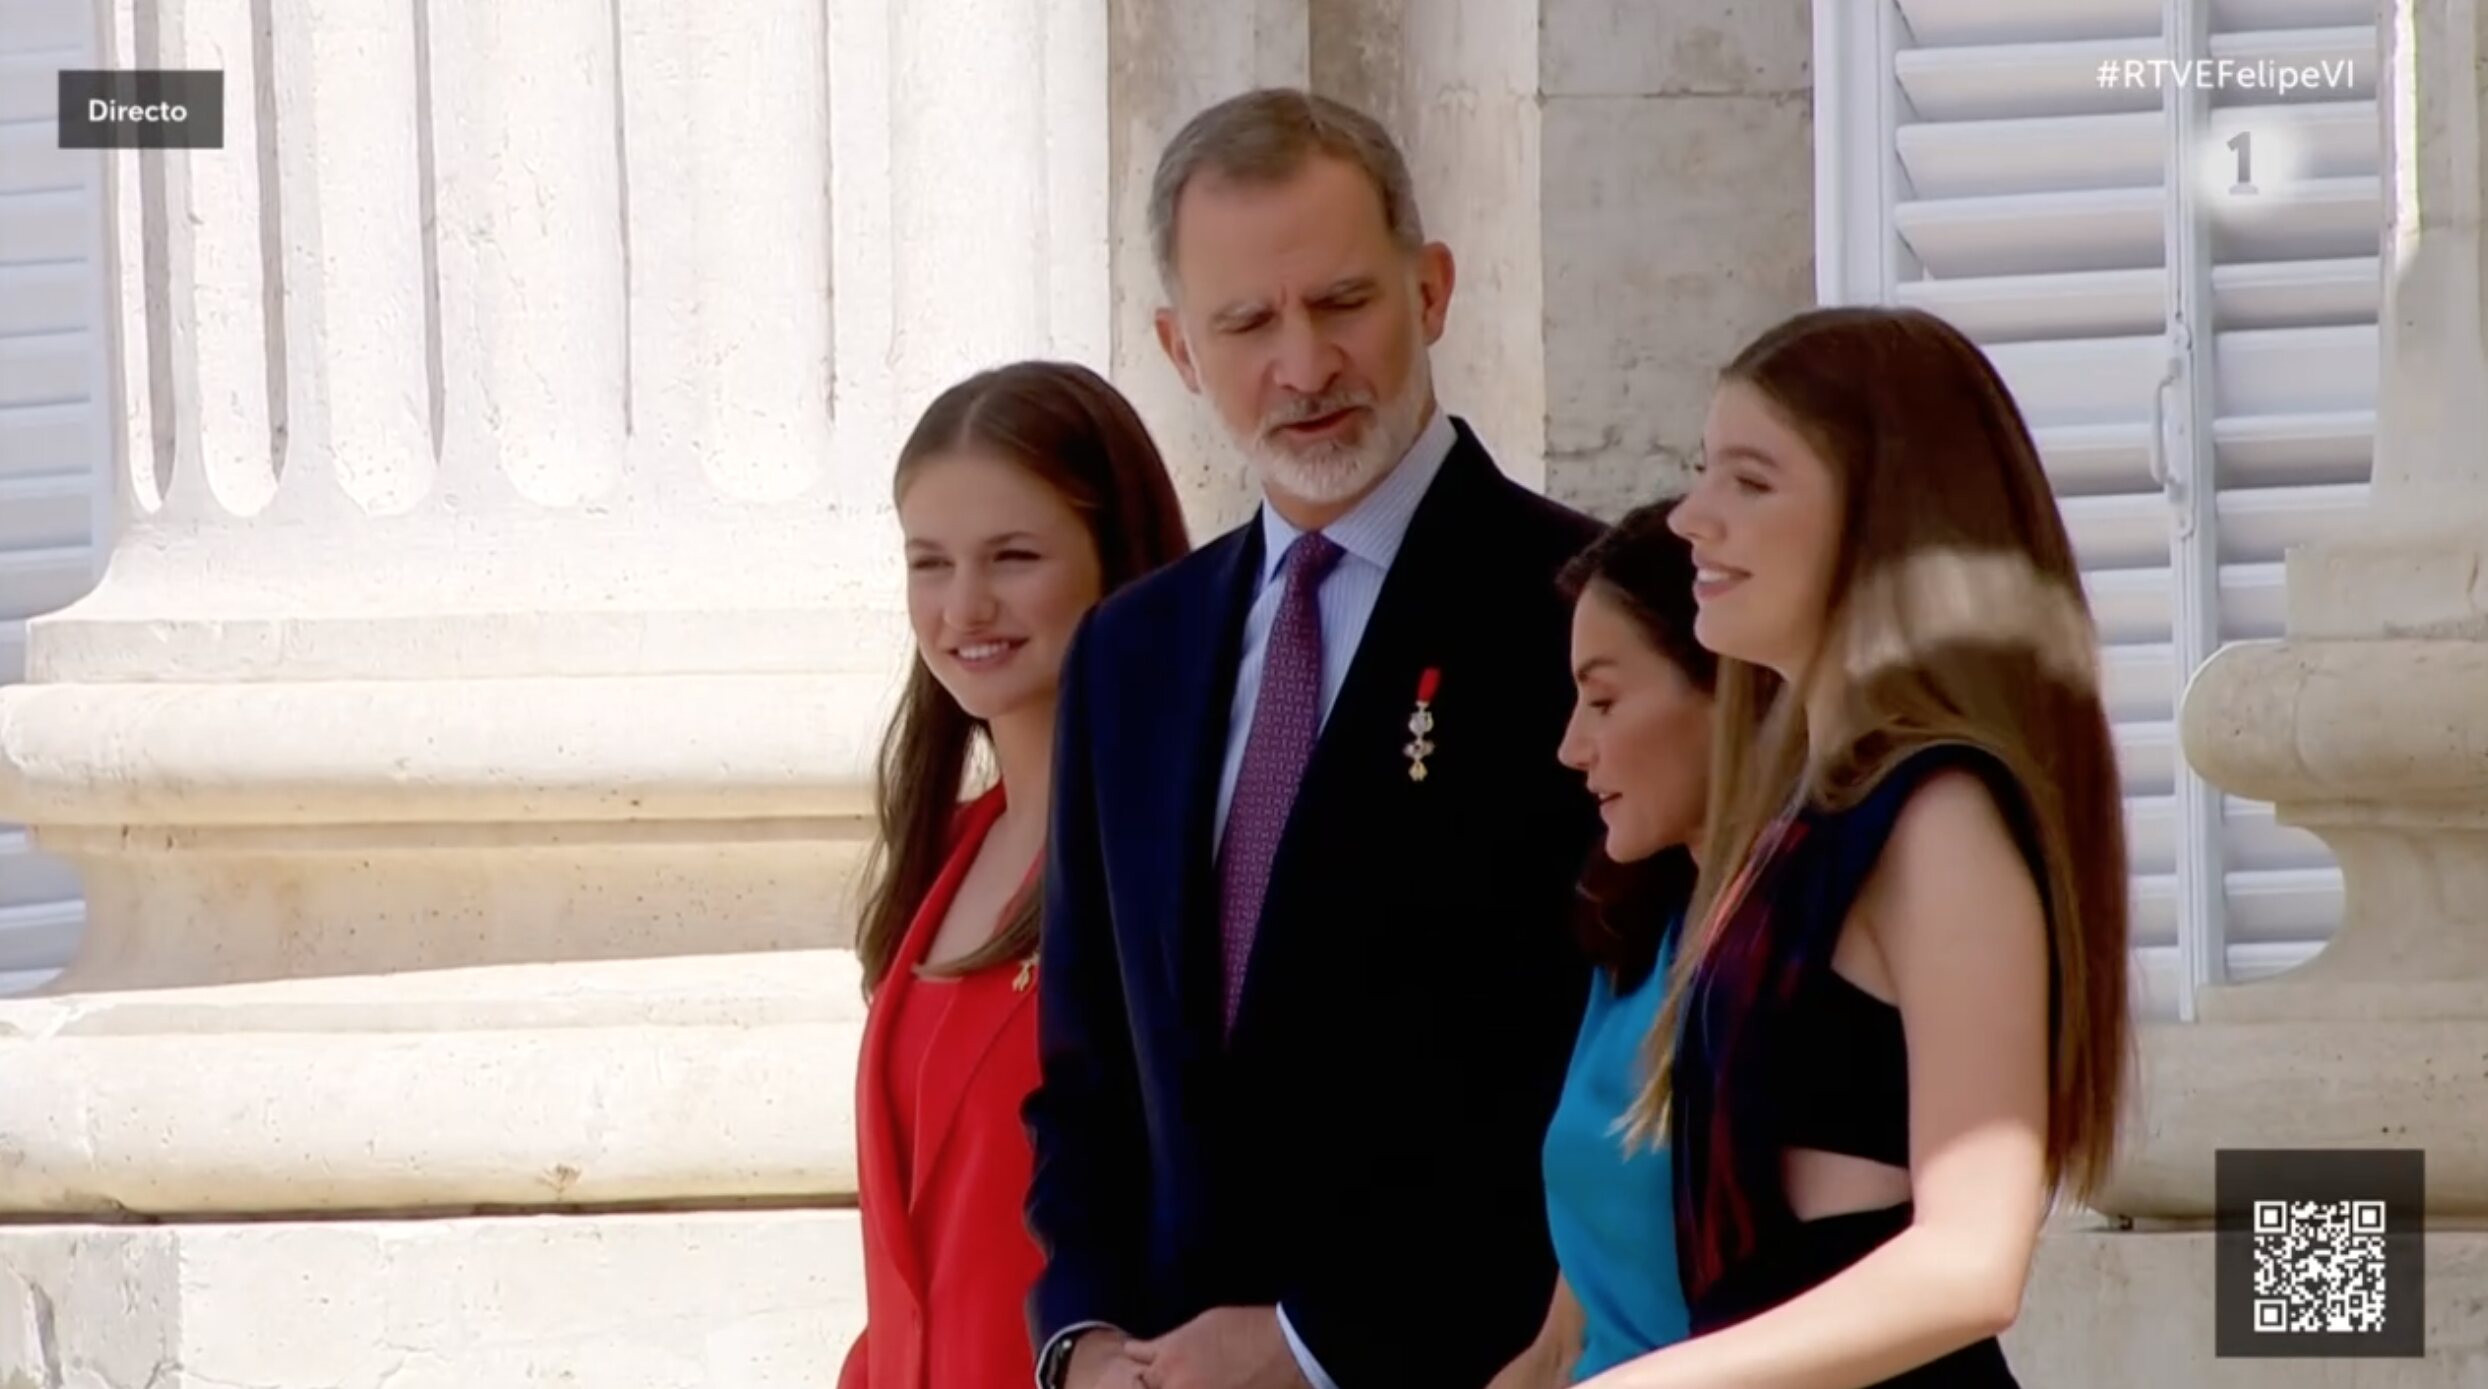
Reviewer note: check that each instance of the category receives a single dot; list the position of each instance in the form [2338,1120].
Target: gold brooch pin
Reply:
[1421,723]
[1027,974]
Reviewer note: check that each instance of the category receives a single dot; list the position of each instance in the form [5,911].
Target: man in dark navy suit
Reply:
[1307,987]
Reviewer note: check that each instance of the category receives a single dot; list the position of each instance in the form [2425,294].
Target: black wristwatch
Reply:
[1056,1362]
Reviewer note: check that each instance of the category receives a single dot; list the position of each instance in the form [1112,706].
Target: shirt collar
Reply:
[1373,529]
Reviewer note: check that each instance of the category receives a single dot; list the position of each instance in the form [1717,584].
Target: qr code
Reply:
[2319,1266]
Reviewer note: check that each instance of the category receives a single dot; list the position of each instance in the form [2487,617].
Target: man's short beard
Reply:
[1334,473]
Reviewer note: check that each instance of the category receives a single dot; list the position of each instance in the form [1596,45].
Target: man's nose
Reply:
[1307,361]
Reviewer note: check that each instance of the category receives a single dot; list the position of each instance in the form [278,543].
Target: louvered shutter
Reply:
[2198,362]
[55,444]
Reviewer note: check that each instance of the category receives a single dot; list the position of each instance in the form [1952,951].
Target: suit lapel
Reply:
[876,1133]
[1411,629]
[977,1019]
[877,1137]
[1206,657]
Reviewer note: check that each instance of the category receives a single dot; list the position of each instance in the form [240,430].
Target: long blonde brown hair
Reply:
[1957,616]
[1074,431]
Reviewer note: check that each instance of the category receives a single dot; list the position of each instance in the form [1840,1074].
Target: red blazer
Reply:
[948,1260]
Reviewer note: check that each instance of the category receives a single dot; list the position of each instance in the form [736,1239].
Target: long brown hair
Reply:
[1072,430]
[1957,616]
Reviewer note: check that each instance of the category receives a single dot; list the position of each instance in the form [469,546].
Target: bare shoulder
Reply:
[1952,808]
[1952,864]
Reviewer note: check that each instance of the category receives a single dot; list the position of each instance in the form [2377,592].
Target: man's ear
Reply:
[1435,275]
[1177,348]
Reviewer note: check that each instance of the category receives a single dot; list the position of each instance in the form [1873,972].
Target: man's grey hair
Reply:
[1268,136]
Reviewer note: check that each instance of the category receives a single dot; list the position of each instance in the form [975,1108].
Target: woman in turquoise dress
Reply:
[1640,736]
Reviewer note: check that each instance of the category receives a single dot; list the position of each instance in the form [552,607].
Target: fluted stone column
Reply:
[466,751]
[2368,725]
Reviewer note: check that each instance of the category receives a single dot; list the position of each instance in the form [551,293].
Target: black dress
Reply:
[1778,1051]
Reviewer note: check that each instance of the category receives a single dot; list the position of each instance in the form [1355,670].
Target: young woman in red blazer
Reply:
[1026,494]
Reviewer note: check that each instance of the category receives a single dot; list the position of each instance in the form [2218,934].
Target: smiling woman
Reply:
[999,570]
[1897,1024]
[1026,495]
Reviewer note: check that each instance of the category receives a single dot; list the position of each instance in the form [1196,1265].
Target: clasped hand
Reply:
[1223,1348]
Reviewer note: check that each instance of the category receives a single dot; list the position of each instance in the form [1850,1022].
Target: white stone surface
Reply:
[700,1300]
[2368,724]
[1168,61]
[661,343]
[1628,190]
[1456,81]
[2432,422]
[1678,223]
[714,1080]
[2135,1308]
[508,569]
[1622,48]
[337,826]
[2403,1079]
[1664,262]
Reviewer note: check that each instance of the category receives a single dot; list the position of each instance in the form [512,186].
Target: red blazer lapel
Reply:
[979,1016]
[885,1219]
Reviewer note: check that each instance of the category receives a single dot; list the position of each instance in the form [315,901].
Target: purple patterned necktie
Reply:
[1286,715]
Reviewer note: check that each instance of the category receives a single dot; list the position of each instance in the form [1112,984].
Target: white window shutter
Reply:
[2199,364]
[2296,284]
[55,442]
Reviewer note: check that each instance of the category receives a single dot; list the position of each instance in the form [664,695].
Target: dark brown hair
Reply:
[1957,616]
[1072,430]
[1646,570]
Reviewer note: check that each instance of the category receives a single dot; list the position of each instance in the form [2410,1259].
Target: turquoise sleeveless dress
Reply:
[1612,1215]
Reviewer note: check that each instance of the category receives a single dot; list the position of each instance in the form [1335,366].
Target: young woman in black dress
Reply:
[1899,1026]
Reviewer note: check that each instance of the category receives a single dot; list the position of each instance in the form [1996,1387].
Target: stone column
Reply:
[2368,725]
[1458,82]
[1170,60]
[1679,223]
[1628,190]
[466,752]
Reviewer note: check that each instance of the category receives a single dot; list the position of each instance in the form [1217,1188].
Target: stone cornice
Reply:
[706,747]
[700,1079]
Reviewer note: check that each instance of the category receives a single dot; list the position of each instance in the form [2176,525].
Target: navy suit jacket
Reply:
[1365,1148]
